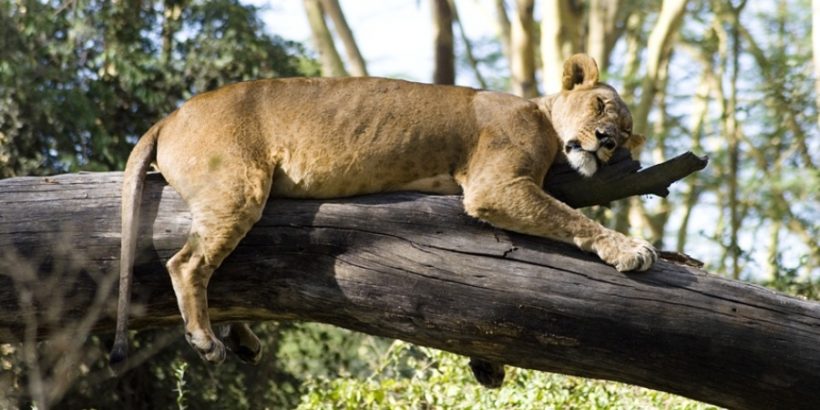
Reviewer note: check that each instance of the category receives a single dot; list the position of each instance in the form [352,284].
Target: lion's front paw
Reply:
[625,253]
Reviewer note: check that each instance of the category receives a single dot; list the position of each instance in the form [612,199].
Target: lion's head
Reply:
[589,116]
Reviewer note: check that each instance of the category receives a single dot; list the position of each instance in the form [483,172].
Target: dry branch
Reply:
[415,267]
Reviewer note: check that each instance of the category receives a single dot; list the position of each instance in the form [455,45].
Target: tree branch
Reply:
[619,179]
[415,267]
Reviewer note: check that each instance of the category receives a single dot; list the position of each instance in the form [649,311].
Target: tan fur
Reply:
[227,150]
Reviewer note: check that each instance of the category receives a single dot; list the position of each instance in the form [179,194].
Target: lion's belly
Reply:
[324,178]
[443,184]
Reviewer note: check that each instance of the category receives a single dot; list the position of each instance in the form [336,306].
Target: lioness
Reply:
[228,150]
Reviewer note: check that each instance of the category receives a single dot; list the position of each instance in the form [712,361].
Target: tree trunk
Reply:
[729,54]
[601,32]
[332,65]
[669,21]
[815,40]
[171,13]
[354,57]
[444,71]
[655,219]
[415,267]
[468,46]
[504,29]
[560,38]
[522,66]
[695,130]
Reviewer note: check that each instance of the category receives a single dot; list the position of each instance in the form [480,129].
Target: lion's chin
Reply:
[583,162]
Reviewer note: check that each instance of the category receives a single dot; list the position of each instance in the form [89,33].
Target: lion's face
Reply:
[592,124]
[590,117]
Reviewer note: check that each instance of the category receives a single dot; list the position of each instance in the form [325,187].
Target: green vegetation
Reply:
[411,377]
[80,85]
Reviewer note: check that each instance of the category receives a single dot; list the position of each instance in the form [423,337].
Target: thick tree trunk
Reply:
[522,66]
[561,22]
[601,30]
[415,267]
[444,70]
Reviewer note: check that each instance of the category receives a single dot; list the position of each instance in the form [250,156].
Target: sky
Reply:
[395,37]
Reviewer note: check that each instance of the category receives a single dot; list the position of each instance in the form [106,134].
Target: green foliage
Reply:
[79,86]
[316,366]
[412,377]
[179,368]
[790,282]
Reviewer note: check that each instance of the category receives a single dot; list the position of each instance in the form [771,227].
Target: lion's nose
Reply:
[605,139]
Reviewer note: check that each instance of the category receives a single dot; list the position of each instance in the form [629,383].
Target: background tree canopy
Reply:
[81,80]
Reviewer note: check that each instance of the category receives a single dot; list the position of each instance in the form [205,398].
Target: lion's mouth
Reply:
[584,161]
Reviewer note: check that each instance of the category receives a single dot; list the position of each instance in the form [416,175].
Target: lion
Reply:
[226,152]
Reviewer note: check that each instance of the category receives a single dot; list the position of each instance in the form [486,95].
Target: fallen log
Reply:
[415,267]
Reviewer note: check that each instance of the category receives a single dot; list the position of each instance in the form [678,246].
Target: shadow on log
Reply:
[415,267]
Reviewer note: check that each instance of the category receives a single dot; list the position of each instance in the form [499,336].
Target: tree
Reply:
[352,263]
[332,64]
[77,99]
[815,35]
[79,83]
[354,57]
[78,86]
[601,35]
[658,48]
[444,70]
[560,38]
[522,66]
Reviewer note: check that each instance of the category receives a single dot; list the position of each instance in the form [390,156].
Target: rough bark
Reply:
[415,267]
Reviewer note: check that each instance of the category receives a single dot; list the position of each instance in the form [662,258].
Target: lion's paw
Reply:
[490,375]
[208,346]
[239,339]
[626,253]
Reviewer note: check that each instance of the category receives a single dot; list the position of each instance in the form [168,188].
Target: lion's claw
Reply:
[626,254]
[640,260]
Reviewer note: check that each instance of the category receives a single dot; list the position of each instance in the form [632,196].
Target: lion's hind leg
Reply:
[240,339]
[222,215]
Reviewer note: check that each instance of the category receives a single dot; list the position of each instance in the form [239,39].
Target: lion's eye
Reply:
[600,105]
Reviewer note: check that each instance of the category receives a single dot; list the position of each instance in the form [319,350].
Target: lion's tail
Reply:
[133,181]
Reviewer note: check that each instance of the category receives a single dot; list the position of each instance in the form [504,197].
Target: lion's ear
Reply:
[634,144]
[580,71]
